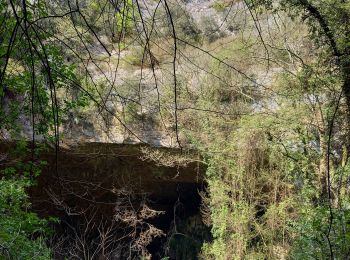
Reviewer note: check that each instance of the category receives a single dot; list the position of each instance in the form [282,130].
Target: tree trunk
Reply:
[323,164]
[346,90]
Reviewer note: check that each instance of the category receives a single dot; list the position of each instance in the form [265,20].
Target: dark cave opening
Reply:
[120,206]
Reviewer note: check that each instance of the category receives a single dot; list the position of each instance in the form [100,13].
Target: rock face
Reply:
[97,171]
[138,106]
[135,101]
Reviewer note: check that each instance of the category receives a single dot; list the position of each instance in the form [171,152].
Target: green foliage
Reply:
[312,228]
[126,19]
[220,6]
[22,233]
[33,71]
[121,16]
[249,198]
[264,189]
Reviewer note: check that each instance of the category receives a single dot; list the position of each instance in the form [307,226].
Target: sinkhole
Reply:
[116,201]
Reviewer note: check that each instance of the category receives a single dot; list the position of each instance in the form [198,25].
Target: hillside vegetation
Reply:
[260,89]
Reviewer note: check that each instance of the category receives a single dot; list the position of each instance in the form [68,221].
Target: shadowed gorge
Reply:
[92,182]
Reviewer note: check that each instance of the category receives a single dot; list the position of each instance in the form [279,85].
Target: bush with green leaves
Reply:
[22,232]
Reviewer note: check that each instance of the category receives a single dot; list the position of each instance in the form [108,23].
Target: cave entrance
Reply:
[117,202]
